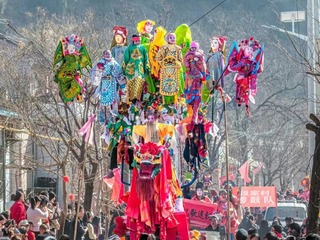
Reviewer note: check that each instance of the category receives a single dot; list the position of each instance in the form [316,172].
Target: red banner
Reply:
[258,197]
[198,212]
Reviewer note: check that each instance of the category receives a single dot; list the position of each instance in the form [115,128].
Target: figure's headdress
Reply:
[74,40]
[142,24]
[194,44]
[250,42]
[222,42]
[120,30]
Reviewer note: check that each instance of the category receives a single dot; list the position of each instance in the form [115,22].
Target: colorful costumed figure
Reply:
[144,29]
[195,75]
[73,56]
[155,46]
[119,43]
[246,59]
[170,75]
[151,201]
[196,148]
[215,66]
[135,67]
[111,77]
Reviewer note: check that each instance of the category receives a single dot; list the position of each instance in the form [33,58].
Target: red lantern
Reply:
[305,182]
[71,197]
[66,179]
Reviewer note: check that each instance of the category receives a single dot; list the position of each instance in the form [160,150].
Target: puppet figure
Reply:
[110,78]
[215,66]
[170,59]
[135,67]
[145,28]
[195,75]
[246,59]
[119,43]
[73,56]
[155,46]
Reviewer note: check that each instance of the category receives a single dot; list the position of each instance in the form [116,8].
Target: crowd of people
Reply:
[37,217]
[246,223]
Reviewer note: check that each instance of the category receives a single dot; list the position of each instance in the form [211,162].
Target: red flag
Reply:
[257,169]
[222,179]
[244,172]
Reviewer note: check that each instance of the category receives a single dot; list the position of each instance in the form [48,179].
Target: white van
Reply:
[296,210]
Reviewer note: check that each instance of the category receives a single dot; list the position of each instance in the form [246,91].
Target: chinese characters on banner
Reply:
[198,212]
[258,197]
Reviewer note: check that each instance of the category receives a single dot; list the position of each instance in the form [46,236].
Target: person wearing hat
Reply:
[214,223]
[200,194]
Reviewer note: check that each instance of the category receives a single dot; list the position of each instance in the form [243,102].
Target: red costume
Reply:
[18,212]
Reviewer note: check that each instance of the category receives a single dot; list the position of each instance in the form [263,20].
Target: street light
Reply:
[299,16]
[294,16]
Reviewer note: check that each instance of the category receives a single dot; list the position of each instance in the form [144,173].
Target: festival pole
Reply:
[227,167]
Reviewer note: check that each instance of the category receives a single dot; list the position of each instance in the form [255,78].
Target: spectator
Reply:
[254,237]
[96,225]
[54,214]
[245,221]
[288,221]
[264,229]
[187,194]
[18,210]
[214,225]
[252,223]
[290,196]
[241,234]
[43,232]
[23,233]
[271,236]
[252,232]
[29,233]
[35,214]
[277,229]
[313,236]
[290,237]
[294,229]
[81,229]
[90,235]
[64,237]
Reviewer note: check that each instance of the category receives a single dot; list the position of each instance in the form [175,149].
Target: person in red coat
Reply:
[18,210]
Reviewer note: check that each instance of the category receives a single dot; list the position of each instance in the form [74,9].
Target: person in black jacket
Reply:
[81,228]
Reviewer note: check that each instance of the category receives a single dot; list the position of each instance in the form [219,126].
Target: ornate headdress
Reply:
[250,42]
[222,42]
[120,30]
[73,40]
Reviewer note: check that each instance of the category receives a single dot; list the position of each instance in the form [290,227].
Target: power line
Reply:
[207,13]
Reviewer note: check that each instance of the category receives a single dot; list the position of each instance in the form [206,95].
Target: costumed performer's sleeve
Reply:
[126,58]
[146,61]
[85,59]
[58,55]
[160,54]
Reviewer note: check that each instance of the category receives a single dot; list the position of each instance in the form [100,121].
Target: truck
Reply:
[296,210]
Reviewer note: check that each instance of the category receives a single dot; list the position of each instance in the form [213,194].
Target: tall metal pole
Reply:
[3,139]
[227,167]
[312,31]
